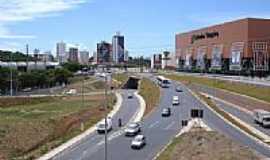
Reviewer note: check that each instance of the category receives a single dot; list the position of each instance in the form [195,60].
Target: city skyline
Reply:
[146,29]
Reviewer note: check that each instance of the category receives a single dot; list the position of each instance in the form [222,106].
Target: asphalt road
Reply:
[158,131]
[95,141]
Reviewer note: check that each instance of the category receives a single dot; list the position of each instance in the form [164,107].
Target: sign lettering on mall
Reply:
[204,36]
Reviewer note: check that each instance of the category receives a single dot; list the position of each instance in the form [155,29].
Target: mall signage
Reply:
[205,35]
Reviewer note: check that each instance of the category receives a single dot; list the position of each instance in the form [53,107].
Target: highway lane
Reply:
[94,140]
[243,116]
[159,131]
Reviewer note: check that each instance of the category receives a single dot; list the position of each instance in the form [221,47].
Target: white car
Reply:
[262,117]
[175,100]
[71,92]
[101,127]
[138,142]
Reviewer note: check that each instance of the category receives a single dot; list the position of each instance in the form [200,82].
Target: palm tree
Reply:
[166,57]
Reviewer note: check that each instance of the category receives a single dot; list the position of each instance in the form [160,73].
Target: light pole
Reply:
[106,116]
[11,85]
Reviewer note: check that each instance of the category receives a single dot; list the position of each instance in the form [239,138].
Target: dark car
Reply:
[166,112]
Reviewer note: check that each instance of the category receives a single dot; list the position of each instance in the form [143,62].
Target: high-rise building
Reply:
[126,56]
[118,48]
[84,57]
[73,55]
[61,53]
[104,53]
[156,61]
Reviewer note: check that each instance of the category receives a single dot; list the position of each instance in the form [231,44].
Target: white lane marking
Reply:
[170,125]
[154,124]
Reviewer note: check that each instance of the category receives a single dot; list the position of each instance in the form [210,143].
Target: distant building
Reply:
[169,62]
[156,61]
[104,53]
[61,53]
[84,57]
[118,48]
[126,56]
[44,57]
[73,55]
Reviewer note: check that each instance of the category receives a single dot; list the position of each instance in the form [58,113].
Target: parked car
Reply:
[133,129]
[101,127]
[138,142]
[175,100]
[262,117]
[178,89]
[166,112]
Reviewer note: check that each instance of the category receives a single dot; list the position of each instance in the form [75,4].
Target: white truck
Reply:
[262,117]
[101,126]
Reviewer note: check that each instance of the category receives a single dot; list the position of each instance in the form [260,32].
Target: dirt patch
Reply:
[14,101]
[203,145]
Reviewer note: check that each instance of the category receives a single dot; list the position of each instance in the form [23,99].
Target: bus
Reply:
[163,82]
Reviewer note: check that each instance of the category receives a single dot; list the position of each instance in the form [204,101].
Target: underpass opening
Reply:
[132,83]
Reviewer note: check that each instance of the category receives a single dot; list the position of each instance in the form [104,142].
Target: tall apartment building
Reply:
[61,54]
[118,48]
[84,57]
[73,55]
[104,53]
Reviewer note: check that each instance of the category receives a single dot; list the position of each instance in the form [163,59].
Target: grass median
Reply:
[203,145]
[261,93]
[151,94]
[30,128]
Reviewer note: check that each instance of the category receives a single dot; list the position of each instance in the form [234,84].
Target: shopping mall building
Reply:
[241,46]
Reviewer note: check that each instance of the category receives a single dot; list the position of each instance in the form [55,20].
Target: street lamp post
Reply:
[11,76]
[106,116]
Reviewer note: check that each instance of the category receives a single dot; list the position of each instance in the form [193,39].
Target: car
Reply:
[178,89]
[27,89]
[262,117]
[71,92]
[101,126]
[175,100]
[138,142]
[130,95]
[166,112]
[133,129]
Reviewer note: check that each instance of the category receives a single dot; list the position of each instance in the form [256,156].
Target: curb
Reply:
[80,137]
[140,113]
[227,121]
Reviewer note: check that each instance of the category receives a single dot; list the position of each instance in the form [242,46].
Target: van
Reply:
[262,117]
[101,126]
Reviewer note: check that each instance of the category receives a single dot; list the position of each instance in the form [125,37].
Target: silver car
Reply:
[133,129]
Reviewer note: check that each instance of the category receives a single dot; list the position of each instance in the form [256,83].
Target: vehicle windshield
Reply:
[267,119]
[133,125]
[138,139]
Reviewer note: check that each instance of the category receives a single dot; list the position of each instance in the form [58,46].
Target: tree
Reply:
[72,67]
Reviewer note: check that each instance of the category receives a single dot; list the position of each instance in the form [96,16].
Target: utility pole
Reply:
[11,85]
[106,116]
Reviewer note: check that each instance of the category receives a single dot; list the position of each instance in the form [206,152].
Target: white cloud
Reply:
[13,11]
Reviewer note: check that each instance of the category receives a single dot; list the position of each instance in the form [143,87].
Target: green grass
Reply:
[166,155]
[150,92]
[29,130]
[261,93]
[121,78]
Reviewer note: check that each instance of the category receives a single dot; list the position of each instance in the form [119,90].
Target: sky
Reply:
[149,26]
